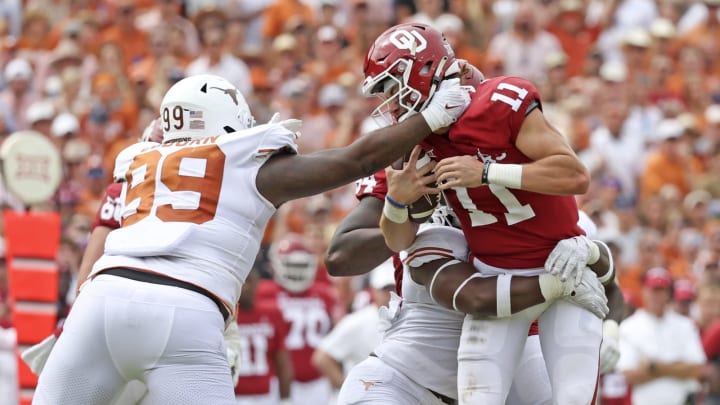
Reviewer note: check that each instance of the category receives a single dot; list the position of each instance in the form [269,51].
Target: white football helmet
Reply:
[294,265]
[203,105]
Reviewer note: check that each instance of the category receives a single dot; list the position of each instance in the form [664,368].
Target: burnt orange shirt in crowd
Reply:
[276,16]
[576,46]
[134,44]
[660,171]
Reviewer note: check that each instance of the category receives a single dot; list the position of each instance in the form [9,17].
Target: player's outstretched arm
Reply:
[286,177]
[457,285]
[358,245]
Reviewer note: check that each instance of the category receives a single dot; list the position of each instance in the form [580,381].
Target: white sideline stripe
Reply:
[27,393]
[35,264]
[37,307]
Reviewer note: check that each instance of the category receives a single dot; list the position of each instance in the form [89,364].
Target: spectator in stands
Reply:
[357,334]
[525,46]
[216,59]
[669,163]
[662,356]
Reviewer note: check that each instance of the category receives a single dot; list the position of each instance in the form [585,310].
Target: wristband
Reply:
[503,295]
[394,203]
[593,252]
[610,275]
[435,119]
[550,287]
[441,268]
[508,175]
[460,287]
[395,213]
[486,168]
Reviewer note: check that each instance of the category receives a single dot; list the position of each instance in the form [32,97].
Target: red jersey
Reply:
[308,319]
[711,340]
[373,186]
[376,186]
[262,334]
[109,213]
[506,228]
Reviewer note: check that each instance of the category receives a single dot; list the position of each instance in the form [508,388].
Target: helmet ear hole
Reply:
[425,70]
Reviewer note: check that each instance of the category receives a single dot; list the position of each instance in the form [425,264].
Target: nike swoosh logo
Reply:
[450,107]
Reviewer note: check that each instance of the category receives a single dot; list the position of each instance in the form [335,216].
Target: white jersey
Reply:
[423,337]
[191,209]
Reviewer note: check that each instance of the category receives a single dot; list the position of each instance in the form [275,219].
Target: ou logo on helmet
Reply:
[404,39]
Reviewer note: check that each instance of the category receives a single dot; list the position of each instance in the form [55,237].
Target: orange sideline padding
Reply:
[26,378]
[32,234]
[33,284]
[32,325]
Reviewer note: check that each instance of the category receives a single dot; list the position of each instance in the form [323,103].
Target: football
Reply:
[422,209]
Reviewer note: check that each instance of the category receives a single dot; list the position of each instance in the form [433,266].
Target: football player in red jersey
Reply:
[263,355]
[358,242]
[510,178]
[307,307]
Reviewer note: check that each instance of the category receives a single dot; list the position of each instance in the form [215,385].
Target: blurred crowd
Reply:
[633,84]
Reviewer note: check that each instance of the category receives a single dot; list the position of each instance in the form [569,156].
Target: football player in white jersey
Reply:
[354,249]
[417,359]
[194,211]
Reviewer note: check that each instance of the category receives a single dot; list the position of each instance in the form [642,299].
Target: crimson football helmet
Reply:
[406,64]
[294,265]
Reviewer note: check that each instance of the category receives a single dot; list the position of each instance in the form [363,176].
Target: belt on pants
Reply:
[443,398]
[154,278]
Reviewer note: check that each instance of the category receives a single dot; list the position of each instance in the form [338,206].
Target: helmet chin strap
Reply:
[437,79]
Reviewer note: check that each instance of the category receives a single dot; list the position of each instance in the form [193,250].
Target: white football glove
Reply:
[293,124]
[36,356]
[610,347]
[232,346]
[590,294]
[570,257]
[447,104]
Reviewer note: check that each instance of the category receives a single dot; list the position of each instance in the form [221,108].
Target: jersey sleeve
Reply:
[518,96]
[276,139]
[126,157]
[496,113]
[373,186]
[266,292]
[279,326]
[109,212]
[434,242]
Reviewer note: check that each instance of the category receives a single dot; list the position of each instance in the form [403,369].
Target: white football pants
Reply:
[490,354]
[374,382]
[119,330]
